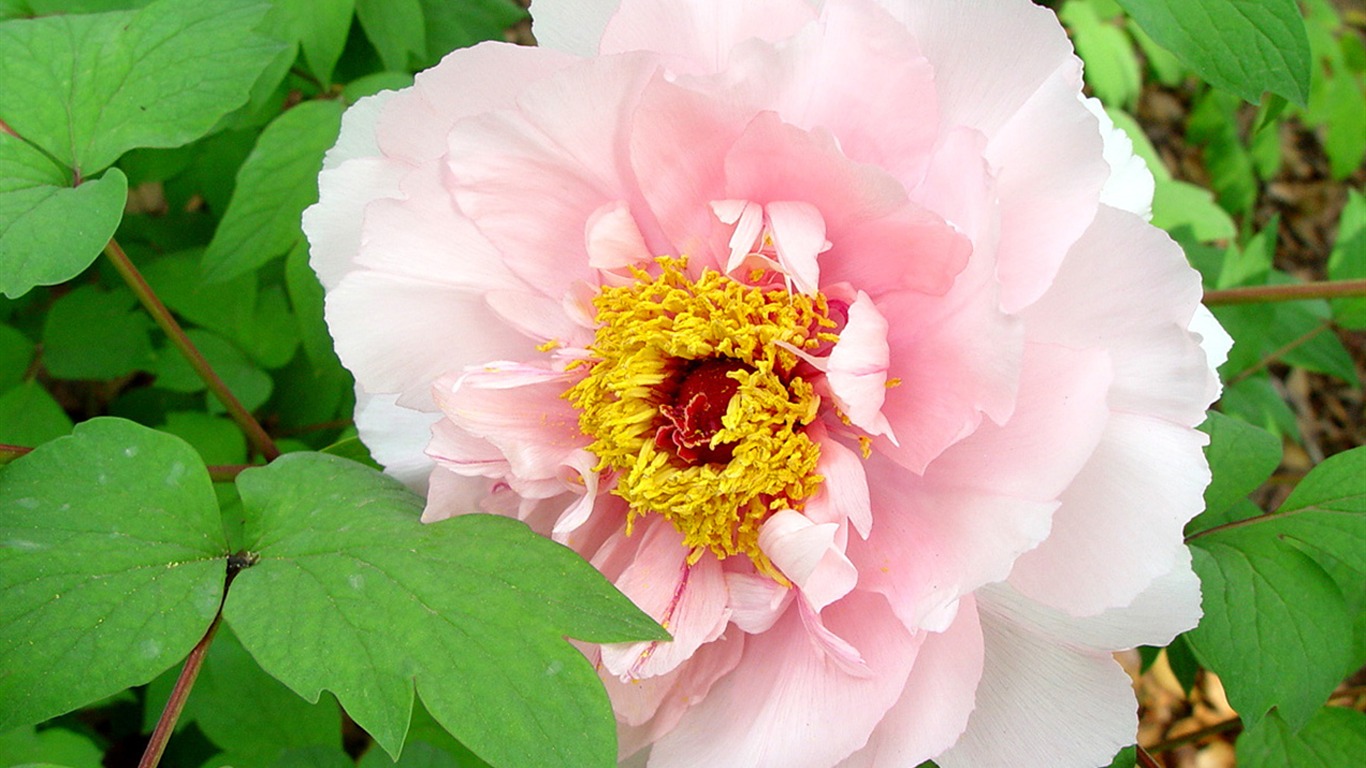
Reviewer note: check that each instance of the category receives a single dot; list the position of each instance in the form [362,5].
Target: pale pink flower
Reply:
[834,336]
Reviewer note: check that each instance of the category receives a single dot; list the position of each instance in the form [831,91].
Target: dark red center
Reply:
[694,417]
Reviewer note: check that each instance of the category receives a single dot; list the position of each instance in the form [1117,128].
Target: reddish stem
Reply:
[1256,294]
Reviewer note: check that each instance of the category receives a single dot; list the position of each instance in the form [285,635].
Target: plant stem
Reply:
[9,453]
[248,423]
[156,745]
[1146,760]
[1194,736]
[1256,294]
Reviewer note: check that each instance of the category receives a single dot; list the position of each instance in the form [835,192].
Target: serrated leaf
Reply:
[51,231]
[1240,457]
[1335,738]
[1275,629]
[278,180]
[1348,259]
[1327,510]
[29,416]
[1240,46]
[397,29]
[92,333]
[111,566]
[473,609]
[90,87]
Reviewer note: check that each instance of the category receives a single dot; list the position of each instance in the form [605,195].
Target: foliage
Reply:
[185,137]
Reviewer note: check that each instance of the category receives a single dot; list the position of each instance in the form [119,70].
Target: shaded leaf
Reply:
[1241,457]
[92,333]
[111,566]
[1335,738]
[29,416]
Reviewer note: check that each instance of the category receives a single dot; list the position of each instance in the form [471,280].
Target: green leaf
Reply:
[248,713]
[1275,629]
[321,27]
[1327,510]
[91,333]
[111,566]
[90,87]
[29,416]
[278,180]
[474,609]
[1345,133]
[1178,204]
[16,353]
[1335,738]
[397,29]
[352,449]
[218,440]
[1256,401]
[371,84]
[1126,758]
[1213,126]
[1111,65]
[458,25]
[50,231]
[1240,456]
[251,385]
[1348,260]
[50,745]
[1240,46]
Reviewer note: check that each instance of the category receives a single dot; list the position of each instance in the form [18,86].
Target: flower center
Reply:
[694,400]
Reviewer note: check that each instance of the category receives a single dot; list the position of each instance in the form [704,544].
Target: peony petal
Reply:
[808,555]
[613,239]
[399,334]
[687,599]
[573,26]
[857,369]
[1090,714]
[939,696]
[799,237]
[843,494]
[784,684]
[664,699]
[396,436]
[1131,185]
[1116,530]
[756,602]
[697,36]
[533,177]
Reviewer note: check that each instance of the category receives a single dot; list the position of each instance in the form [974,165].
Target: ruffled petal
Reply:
[807,553]
[396,436]
[1090,712]
[698,36]
[783,684]
[857,368]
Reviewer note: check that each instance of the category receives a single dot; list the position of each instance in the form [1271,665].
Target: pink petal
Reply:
[857,370]
[334,223]
[1136,301]
[749,224]
[573,26]
[939,696]
[1117,530]
[689,600]
[843,494]
[613,239]
[1090,712]
[958,185]
[399,334]
[397,437]
[698,36]
[756,602]
[784,685]
[541,318]
[807,554]
[648,709]
[533,177]
[799,236]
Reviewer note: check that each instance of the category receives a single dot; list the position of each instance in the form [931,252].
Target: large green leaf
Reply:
[397,29]
[1335,738]
[29,416]
[1327,510]
[321,27]
[1348,260]
[111,566]
[352,594]
[49,230]
[278,180]
[1244,46]
[1240,456]
[457,25]
[88,88]
[92,333]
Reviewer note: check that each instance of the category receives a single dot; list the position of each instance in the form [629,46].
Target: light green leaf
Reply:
[1275,629]
[29,416]
[1348,259]
[1327,510]
[90,87]
[111,566]
[314,757]
[1111,65]
[1241,457]
[397,29]
[1178,204]
[474,609]
[1243,46]
[1345,132]
[1213,126]
[50,231]
[278,180]
[1335,738]
[91,333]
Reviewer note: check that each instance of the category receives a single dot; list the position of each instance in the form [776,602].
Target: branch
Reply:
[1257,294]
[255,433]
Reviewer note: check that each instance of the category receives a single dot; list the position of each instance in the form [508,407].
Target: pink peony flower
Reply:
[834,336]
